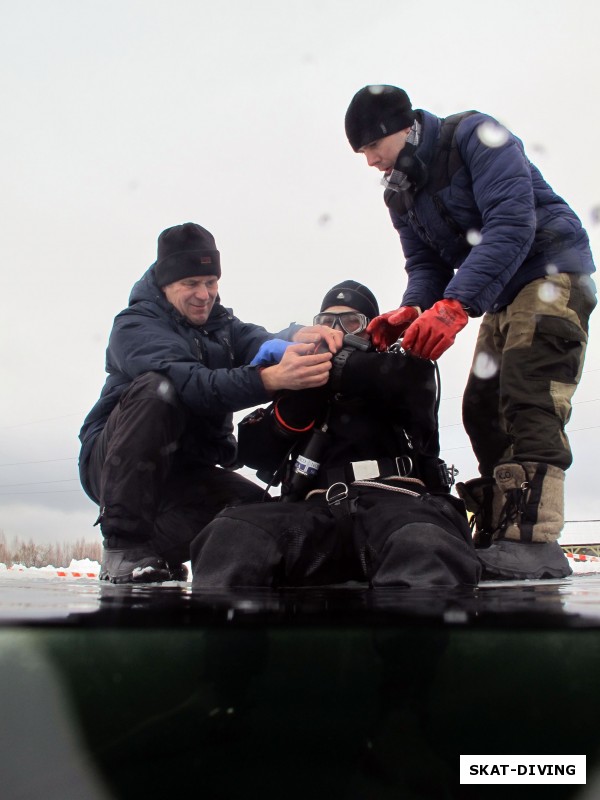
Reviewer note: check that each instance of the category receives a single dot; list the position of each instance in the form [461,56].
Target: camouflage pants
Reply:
[527,364]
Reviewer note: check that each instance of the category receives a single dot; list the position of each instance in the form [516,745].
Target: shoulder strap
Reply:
[447,159]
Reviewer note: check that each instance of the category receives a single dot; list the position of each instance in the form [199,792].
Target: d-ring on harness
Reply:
[341,507]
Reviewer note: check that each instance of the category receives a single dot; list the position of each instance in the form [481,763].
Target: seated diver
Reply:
[364,497]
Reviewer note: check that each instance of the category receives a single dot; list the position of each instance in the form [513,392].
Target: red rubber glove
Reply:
[436,329]
[387,328]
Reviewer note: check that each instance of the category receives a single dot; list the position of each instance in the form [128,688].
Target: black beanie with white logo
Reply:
[354,295]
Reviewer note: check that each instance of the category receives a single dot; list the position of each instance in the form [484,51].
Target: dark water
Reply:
[126,692]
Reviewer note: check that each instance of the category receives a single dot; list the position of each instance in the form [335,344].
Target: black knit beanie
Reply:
[185,251]
[375,112]
[353,294]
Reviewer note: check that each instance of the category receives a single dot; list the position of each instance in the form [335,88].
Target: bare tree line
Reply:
[56,554]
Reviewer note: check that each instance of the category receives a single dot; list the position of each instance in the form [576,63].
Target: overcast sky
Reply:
[123,117]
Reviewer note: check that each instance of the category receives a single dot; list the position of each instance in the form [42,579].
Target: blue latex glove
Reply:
[270,352]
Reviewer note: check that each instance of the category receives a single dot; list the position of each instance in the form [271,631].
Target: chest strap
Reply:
[389,467]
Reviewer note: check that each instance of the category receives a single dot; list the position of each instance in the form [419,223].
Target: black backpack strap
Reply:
[447,158]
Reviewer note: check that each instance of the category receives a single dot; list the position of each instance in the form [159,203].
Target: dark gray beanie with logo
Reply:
[185,251]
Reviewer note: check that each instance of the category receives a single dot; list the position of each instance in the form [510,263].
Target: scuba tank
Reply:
[306,466]
[308,462]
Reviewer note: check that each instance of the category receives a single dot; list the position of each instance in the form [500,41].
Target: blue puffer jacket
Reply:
[526,230]
[207,365]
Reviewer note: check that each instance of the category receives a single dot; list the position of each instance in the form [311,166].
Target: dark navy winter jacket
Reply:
[526,230]
[206,364]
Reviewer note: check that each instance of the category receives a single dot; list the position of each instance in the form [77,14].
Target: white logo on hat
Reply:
[341,296]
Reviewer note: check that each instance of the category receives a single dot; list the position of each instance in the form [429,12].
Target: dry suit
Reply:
[364,497]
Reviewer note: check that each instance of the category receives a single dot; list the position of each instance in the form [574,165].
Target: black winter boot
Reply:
[135,564]
[526,544]
[507,560]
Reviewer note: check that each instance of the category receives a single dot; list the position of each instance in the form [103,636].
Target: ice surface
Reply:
[76,569]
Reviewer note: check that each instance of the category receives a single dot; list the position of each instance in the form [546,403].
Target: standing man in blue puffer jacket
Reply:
[484,234]
[158,446]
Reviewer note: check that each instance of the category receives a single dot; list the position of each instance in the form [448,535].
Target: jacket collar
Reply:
[430,132]
[411,168]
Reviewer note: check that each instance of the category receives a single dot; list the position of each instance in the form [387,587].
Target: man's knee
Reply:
[147,411]
[133,452]
[152,386]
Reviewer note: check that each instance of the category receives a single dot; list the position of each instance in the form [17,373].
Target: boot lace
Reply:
[513,508]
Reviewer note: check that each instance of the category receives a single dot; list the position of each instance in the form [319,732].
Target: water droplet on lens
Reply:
[474,237]
[548,292]
[492,134]
[485,366]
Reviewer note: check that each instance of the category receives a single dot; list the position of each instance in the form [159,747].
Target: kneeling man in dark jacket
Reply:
[365,496]
[158,447]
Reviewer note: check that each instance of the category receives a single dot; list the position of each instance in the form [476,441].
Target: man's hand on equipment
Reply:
[300,368]
[435,330]
[329,339]
[387,328]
